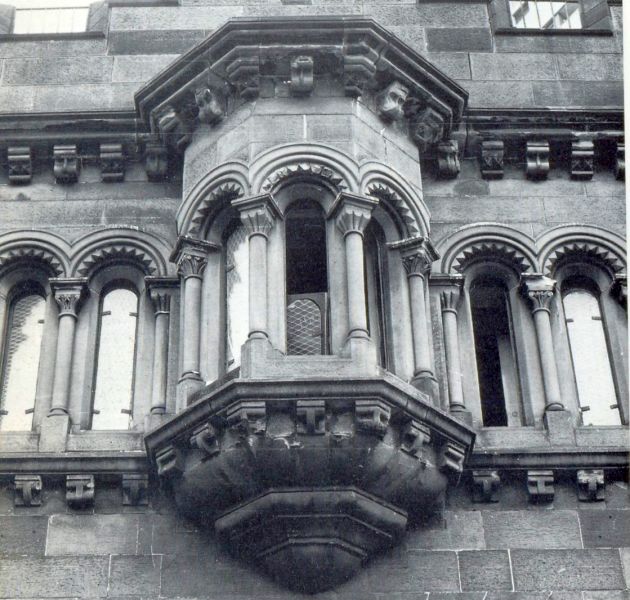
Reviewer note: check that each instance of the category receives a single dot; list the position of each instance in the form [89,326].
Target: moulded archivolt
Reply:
[576,242]
[487,241]
[28,247]
[148,251]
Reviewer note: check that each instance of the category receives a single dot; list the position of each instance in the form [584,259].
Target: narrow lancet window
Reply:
[21,362]
[307,279]
[375,270]
[237,295]
[496,364]
[591,362]
[113,392]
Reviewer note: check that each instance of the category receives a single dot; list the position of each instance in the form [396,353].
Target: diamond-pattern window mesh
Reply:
[237,295]
[22,350]
[304,327]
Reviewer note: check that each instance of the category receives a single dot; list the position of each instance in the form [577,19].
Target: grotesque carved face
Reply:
[210,104]
[390,101]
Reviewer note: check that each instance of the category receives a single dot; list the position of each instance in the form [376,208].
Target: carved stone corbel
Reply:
[426,128]
[20,164]
[28,490]
[540,486]
[582,157]
[372,416]
[248,417]
[135,488]
[451,459]
[155,162]
[448,159]
[413,436]
[173,127]
[359,68]
[620,161]
[390,102]
[211,105]
[486,486]
[205,438]
[302,80]
[66,163]
[170,462]
[537,157]
[112,163]
[79,490]
[311,417]
[492,154]
[244,74]
[591,485]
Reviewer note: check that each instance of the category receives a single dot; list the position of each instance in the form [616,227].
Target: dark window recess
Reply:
[496,366]
[307,279]
[375,270]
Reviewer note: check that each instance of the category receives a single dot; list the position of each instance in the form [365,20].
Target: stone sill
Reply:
[548,32]
[40,37]
[97,441]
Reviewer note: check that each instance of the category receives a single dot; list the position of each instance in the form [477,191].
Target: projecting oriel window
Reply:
[113,391]
[591,362]
[50,16]
[542,14]
[21,362]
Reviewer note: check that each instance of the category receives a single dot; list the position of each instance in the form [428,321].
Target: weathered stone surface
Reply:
[499,209]
[625,563]
[495,94]
[577,93]
[58,70]
[135,575]
[567,570]
[453,64]
[600,211]
[23,535]
[171,18]
[605,528]
[533,596]
[459,530]
[556,43]
[153,42]
[512,67]
[51,48]
[66,577]
[412,35]
[139,67]
[430,15]
[459,39]
[485,570]
[608,595]
[92,534]
[532,529]
[590,67]
[342,7]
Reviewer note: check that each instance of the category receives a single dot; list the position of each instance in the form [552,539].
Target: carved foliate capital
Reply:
[191,256]
[28,490]
[418,254]
[66,163]
[448,159]
[591,485]
[160,291]
[537,158]
[68,294]
[620,288]
[486,486]
[311,417]
[620,161]
[112,162]
[173,127]
[301,83]
[540,486]
[427,128]
[352,213]
[372,416]
[258,214]
[20,164]
[79,490]
[211,104]
[449,299]
[538,289]
[491,159]
[155,161]
[582,158]
[390,102]
[135,489]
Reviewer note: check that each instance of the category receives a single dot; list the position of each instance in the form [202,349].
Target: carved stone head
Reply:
[427,128]
[211,105]
[389,103]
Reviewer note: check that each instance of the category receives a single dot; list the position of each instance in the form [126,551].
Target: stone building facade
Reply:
[314,297]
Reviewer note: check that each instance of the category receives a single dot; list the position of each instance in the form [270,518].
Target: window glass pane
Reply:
[591,364]
[237,295]
[24,340]
[524,14]
[541,14]
[115,360]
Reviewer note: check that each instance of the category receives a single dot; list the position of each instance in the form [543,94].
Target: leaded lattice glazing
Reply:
[304,327]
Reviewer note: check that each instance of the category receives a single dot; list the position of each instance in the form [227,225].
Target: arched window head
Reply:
[237,294]
[21,355]
[113,390]
[589,352]
[307,279]
[494,349]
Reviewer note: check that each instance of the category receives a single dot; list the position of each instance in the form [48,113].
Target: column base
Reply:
[362,351]
[427,383]
[560,429]
[54,433]
[461,414]
[155,420]
[188,384]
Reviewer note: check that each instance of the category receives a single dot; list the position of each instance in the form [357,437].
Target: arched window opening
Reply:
[237,295]
[21,361]
[496,364]
[589,352]
[375,273]
[113,390]
[307,279]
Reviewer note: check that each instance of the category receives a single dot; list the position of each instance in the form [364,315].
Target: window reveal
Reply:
[237,295]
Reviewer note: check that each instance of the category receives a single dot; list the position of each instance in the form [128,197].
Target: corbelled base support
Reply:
[311,540]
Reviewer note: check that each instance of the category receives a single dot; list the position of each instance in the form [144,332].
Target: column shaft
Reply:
[63,364]
[192,317]
[160,363]
[355,274]
[453,364]
[419,330]
[547,359]
[258,285]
